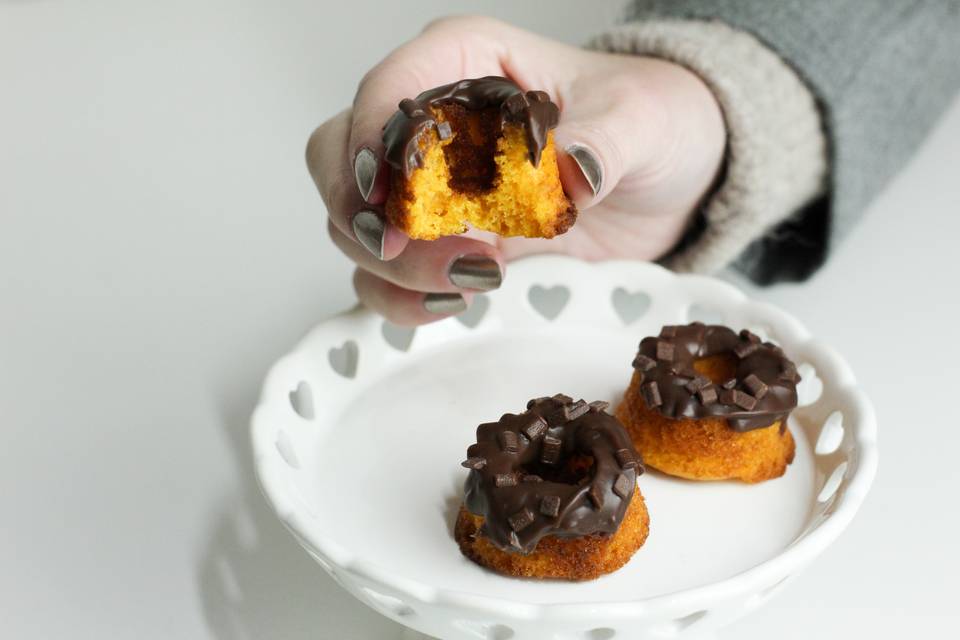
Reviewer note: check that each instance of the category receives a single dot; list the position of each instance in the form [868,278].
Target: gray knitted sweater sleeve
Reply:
[880,72]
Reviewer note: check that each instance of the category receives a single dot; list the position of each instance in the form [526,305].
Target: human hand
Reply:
[640,142]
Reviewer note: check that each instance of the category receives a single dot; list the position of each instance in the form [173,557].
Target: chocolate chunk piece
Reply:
[755,386]
[750,336]
[550,506]
[596,496]
[505,480]
[738,398]
[744,400]
[565,399]
[536,428]
[707,395]
[730,384]
[644,363]
[575,410]
[698,382]
[651,393]
[599,405]
[536,401]
[622,487]
[625,459]
[474,462]
[509,442]
[520,520]
[744,349]
[550,454]
[444,131]
[665,351]
[668,331]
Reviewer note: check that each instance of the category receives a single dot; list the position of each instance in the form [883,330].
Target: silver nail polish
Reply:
[365,167]
[589,165]
[444,303]
[370,230]
[476,272]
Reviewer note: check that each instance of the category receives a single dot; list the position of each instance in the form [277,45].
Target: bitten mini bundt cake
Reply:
[705,403]
[477,152]
[552,493]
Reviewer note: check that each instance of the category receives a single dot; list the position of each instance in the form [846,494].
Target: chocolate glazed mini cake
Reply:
[552,493]
[706,403]
[476,152]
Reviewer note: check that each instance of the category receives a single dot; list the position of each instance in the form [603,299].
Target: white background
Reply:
[161,244]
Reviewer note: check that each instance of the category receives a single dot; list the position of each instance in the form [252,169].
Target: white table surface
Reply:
[161,244]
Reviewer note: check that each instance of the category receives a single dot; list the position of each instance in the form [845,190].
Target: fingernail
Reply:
[444,303]
[476,272]
[370,230]
[365,167]
[589,165]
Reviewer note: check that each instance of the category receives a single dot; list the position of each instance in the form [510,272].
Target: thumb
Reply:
[599,145]
[653,128]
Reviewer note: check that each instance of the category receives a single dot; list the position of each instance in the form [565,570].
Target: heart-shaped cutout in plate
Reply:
[549,301]
[301,399]
[475,312]
[343,359]
[810,387]
[400,338]
[629,305]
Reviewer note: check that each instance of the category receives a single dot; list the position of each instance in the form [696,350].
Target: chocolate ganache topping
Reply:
[763,391]
[532,109]
[561,468]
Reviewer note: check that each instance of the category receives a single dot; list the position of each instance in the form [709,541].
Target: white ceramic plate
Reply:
[360,432]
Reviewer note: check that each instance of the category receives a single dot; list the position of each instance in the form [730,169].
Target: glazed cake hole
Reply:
[718,368]
[571,471]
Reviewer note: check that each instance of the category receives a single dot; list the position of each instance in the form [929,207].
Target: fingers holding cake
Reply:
[476,153]
[405,307]
[364,224]
[432,58]
[448,265]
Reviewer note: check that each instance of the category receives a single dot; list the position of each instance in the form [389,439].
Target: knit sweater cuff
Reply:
[776,147]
